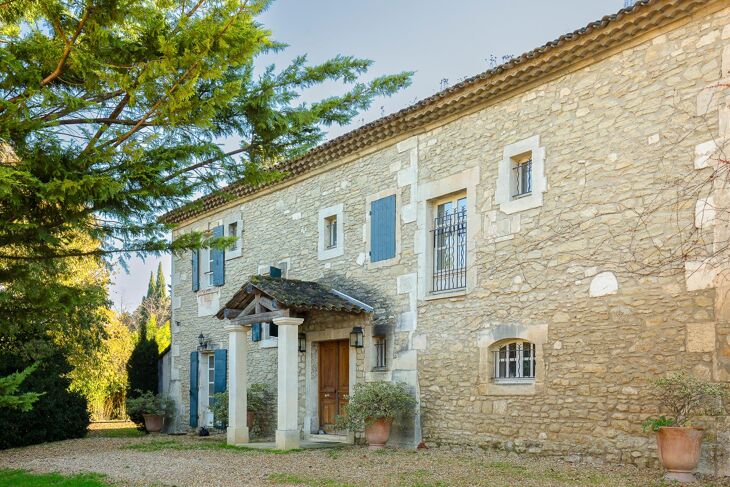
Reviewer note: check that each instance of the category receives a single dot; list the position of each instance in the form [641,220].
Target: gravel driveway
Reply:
[189,461]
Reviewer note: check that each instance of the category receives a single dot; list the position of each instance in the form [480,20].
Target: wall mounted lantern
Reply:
[356,337]
[302,342]
[204,342]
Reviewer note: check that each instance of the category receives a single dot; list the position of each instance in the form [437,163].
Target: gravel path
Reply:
[185,461]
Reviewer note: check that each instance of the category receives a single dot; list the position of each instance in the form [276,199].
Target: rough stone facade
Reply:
[598,273]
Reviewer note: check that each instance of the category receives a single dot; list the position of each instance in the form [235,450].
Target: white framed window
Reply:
[234,228]
[330,224]
[233,232]
[521,180]
[514,362]
[331,227]
[449,233]
[206,389]
[205,263]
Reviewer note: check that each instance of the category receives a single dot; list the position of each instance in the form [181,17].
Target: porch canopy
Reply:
[284,302]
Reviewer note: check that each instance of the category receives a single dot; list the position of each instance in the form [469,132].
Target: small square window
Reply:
[331,231]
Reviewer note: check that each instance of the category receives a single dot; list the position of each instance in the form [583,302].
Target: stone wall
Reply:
[607,269]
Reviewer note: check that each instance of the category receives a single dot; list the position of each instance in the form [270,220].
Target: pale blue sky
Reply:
[435,39]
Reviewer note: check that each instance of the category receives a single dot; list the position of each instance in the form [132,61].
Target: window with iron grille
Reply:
[514,362]
[449,245]
[522,177]
[380,360]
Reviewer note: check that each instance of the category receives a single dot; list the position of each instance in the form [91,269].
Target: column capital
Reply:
[287,320]
[231,328]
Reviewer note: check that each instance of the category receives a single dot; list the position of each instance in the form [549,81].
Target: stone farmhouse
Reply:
[528,250]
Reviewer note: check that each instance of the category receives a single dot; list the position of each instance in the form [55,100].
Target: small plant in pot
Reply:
[153,408]
[373,406]
[684,397]
[257,400]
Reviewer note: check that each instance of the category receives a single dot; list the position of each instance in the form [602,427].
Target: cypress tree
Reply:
[160,284]
[151,287]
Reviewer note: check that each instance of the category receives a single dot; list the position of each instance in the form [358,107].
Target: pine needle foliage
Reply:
[114,111]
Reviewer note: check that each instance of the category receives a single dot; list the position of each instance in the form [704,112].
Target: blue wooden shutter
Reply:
[221,370]
[382,229]
[196,270]
[256,332]
[219,260]
[193,389]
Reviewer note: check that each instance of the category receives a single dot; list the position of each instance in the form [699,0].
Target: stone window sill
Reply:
[207,290]
[512,389]
[456,293]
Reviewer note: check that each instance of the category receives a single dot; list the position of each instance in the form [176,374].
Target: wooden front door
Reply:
[334,381]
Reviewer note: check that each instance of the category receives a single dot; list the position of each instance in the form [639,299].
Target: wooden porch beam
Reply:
[260,317]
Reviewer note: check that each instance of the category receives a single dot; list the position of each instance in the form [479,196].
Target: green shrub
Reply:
[9,387]
[258,399]
[220,409]
[376,400]
[148,403]
[655,423]
[684,397]
[57,415]
[142,370]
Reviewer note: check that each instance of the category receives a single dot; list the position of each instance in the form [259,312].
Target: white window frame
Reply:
[435,204]
[513,154]
[514,354]
[323,251]
[330,225]
[206,389]
[205,274]
[234,252]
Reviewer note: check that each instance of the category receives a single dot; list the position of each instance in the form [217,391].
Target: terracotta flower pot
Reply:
[249,418]
[378,432]
[679,451]
[153,422]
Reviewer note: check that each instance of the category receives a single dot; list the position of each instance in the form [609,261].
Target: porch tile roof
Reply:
[297,295]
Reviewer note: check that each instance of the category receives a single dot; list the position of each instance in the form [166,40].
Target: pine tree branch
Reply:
[204,163]
[67,49]
[177,83]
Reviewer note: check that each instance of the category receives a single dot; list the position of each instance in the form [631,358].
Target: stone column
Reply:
[237,432]
[287,429]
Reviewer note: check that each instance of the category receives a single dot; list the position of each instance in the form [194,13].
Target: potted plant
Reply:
[153,408]
[373,406]
[257,400]
[684,397]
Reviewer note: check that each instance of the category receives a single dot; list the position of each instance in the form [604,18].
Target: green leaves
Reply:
[115,110]
[685,396]
[9,386]
[376,400]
